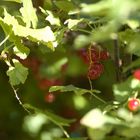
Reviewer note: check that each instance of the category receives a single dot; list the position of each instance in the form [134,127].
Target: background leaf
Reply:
[17,73]
[76,90]
[51,116]
[65,5]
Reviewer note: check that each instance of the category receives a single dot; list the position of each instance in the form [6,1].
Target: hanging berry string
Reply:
[90,64]
[93,57]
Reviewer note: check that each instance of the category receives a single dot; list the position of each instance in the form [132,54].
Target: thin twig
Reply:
[90,64]
[17,97]
[90,83]
[82,30]
[117,60]
[5,39]
[65,132]
[98,97]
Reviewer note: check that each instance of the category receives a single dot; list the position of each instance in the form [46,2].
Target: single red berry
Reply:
[49,97]
[83,54]
[133,104]
[136,74]
[57,82]
[32,63]
[45,83]
[95,70]
[104,55]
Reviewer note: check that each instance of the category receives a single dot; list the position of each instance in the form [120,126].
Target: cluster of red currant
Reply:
[43,83]
[134,103]
[93,57]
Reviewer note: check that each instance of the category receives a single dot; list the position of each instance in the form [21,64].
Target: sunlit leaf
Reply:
[20,50]
[52,19]
[96,119]
[44,35]
[29,13]
[33,123]
[73,22]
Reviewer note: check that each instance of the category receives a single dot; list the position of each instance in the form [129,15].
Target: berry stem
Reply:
[18,99]
[90,83]
[97,97]
[64,131]
[117,60]
[90,63]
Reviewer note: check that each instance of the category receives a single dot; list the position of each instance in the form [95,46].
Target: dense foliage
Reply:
[70,69]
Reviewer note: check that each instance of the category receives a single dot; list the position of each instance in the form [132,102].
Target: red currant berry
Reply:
[133,104]
[44,84]
[136,74]
[95,71]
[49,97]
[83,54]
[104,55]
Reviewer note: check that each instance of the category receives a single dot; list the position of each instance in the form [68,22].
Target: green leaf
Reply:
[71,138]
[131,39]
[17,73]
[81,41]
[95,119]
[71,88]
[65,5]
[133,24]
[54,68]
[58,120]
[125,115]
[44,35]
[18,1]
[29,14]
[123,90]
[73,22]
[98,9]
[130,132]
[133,64]
[60,35]
[51,116]
[105,32]
[52,19]
[98,134]
[20,50]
